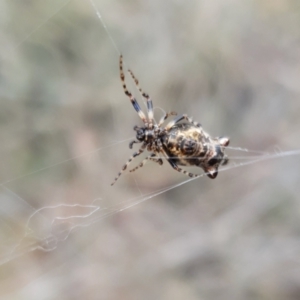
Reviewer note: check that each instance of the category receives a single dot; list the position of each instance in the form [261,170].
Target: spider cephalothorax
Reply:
[181,142]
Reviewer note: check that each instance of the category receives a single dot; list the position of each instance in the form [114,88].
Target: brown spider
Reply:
[184,144]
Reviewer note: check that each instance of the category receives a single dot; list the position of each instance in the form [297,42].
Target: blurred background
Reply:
[65,126]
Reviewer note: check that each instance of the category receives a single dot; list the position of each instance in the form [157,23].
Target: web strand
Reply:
[97,11]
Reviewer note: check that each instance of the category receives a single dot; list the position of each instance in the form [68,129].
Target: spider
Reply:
[184,144]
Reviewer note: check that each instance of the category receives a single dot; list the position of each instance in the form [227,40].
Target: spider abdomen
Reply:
[185,144]
[189,145]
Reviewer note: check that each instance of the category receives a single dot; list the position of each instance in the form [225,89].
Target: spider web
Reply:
[65,129]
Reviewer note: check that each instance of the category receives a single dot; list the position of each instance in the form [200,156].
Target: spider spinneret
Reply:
[184,144]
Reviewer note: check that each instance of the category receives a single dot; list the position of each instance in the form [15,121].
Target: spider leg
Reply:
[175,167]
[147,97]
[172,113]
[128,94]
[180,118]
[128,162]
[133,142]
[151,157]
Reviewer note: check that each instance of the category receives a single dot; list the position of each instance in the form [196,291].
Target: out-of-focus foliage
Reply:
[65,125]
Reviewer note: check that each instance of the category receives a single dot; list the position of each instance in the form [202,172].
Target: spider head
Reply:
[140,133]
[217,158]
